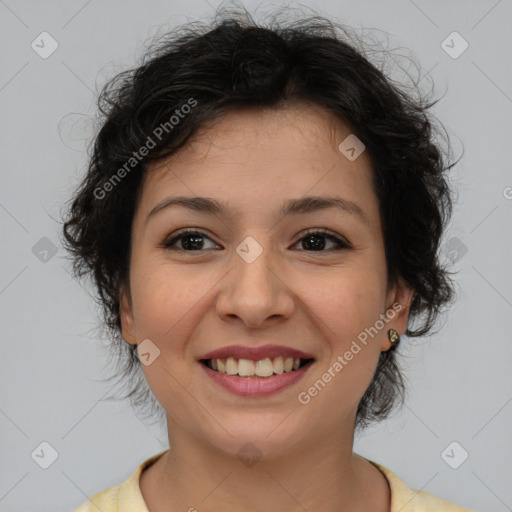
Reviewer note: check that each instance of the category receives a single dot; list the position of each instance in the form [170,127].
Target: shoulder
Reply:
[406,499]
[106,501]
[122,497]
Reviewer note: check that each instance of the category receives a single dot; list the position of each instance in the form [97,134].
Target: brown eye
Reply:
[315,241]
[190,241]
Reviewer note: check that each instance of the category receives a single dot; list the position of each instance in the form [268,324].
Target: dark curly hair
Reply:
[234,63]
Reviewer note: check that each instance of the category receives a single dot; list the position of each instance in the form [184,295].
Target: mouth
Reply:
[254,372]
[256,369]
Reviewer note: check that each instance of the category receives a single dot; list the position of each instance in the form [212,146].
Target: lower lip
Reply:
[256,386]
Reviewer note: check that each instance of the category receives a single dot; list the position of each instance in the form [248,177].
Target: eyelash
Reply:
[324,233]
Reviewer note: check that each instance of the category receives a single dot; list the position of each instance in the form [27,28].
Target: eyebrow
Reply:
[307,204]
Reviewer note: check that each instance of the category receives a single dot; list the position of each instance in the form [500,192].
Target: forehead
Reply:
[263,154]
[246,131]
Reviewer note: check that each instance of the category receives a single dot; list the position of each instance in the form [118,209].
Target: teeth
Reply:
[245,367]
[249,368]
[231,366]
[264,368]
[278,365]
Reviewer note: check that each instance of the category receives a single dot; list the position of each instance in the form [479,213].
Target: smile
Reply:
[255,386]
[262,368]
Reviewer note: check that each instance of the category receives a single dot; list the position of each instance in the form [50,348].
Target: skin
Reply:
[318,301]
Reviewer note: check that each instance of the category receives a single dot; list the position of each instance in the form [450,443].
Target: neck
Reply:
[325,475]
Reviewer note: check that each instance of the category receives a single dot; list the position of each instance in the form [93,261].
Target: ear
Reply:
[398,304]
[126,314]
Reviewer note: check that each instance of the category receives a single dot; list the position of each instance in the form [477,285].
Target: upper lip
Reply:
[256,353]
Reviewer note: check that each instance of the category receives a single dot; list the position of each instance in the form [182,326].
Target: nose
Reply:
[255,291]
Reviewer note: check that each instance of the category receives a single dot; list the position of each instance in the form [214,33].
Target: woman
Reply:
[262,216]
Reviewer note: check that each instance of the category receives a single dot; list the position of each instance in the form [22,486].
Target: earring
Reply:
[393,337]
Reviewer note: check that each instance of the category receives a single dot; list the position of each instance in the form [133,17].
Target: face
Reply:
[265,277]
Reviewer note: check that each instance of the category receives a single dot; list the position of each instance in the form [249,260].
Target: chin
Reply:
[265,437]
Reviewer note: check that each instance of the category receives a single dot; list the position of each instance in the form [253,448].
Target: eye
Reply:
[191,240]
[313,241]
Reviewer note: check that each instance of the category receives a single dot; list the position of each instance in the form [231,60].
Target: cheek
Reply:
[168,306]
[162,294]
[348,309]
[349,302]
[166,309]
[346,312]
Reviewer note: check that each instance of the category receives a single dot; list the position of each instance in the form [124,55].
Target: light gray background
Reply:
[459,380]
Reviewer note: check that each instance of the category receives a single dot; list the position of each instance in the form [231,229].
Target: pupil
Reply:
[313,245]
[196,239]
